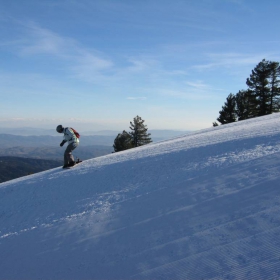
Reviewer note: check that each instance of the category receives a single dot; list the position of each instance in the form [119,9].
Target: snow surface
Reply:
[202,206]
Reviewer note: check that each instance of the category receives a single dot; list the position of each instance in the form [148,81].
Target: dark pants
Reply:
[68,157]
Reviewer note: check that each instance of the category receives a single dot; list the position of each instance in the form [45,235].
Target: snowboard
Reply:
[77,162]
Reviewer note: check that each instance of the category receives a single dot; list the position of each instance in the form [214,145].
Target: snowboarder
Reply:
[73,142]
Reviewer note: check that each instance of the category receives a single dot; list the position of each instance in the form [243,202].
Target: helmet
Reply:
[59,128]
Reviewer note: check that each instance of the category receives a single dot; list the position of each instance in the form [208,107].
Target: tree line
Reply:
[138,136]
[262,97]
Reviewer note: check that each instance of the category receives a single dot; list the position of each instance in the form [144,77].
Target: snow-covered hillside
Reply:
[202,206]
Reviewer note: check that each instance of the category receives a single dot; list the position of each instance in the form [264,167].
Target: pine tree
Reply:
[274,82]
[258,83]
[228,114]
[245,105]
[261,98]
[139,133]
[122,142]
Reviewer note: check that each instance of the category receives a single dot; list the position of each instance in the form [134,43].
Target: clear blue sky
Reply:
[96,64]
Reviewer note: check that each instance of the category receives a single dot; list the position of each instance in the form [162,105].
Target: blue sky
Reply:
[97,64]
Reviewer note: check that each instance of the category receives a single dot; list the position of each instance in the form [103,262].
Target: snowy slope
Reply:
[202,206]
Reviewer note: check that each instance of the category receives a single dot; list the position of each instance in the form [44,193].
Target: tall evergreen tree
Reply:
[245,105]
[139,133]
[228,114]
[274,81]
[258,83]
[261,98]
[122,142]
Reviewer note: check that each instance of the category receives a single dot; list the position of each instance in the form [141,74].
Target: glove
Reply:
[62,143]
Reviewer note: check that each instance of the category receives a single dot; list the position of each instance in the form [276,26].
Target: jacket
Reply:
[69,136]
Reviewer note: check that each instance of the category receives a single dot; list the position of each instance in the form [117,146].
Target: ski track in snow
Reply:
[201,206]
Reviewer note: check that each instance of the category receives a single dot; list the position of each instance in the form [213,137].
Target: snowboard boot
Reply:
[72,163]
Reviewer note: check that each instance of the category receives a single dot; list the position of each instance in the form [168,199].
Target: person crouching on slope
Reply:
[73,142]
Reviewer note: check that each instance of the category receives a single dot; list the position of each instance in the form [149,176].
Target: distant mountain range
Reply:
[9,140]
[13,140]
[15,167]
[29,131]
[55,153]
[44,144]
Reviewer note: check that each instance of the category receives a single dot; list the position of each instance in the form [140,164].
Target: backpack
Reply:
[76,133]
